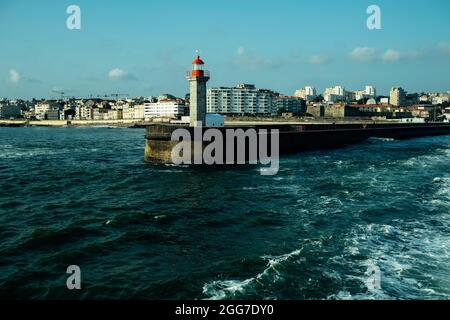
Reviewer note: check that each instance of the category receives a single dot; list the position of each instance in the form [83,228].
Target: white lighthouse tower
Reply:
[197,77]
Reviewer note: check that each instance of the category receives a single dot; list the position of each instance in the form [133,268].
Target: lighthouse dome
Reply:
[198,61]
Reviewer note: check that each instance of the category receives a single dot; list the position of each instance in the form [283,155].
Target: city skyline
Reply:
[145,49]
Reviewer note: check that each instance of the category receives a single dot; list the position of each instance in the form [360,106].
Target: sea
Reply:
[368,221]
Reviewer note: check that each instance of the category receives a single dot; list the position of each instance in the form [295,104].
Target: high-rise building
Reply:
[334,94]
[294,105]
[306,93]
[243,99]
[398,97]
[370,91]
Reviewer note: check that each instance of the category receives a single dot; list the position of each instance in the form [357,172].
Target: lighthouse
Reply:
[197,77]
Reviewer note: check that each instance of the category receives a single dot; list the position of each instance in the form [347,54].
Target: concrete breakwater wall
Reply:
[292,138]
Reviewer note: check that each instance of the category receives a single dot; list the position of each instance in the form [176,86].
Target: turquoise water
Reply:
[84,196]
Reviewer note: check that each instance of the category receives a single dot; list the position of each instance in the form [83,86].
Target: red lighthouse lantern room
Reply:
[198,68]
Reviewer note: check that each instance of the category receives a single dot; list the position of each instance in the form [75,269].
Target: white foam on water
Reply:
[219,290]
[375,139]
[293,189]
[14,153]
[439,156]
[329,201]
[352,250]
[404,265]
[444,189]
[341,295]
[225,289]
[413,255]
[176,165]
[345,295]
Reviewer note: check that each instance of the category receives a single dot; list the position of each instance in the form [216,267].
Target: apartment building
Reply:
[163,108]
[397,97]
[244,99]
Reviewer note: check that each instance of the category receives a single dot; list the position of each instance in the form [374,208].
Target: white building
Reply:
[397,97]
[384,100]
[135,112]
[424,98]
[139,112]
[334,94]
[369,92]
[163,108]
[306,93]
[440,100]
[83,112]
[243,99]
[41,109]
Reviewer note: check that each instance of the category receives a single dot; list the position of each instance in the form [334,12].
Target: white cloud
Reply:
[364,54]
[120,74]
[14,76]
[445,47]
[320,60]
[369,55]
[391,55]
[116,73]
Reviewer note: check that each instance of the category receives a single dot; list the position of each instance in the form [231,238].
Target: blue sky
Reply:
[144,47]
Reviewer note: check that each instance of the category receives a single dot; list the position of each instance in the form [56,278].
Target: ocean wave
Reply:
[397,250]
[444,186]
[226,289]
[349,210]
[431,159]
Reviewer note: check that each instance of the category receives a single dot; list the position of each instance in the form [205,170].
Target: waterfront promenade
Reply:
[62,123]
[133,122]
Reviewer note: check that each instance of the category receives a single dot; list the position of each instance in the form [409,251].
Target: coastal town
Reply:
[224,159]
[244,101]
